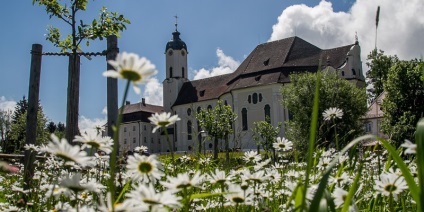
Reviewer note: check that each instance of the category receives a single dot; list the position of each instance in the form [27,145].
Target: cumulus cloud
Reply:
[7,105]
[153,92]
[87,125]
[226,65]
[400,29]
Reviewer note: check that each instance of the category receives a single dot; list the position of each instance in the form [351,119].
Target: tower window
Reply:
[188,130]
[170,72]
[134,140]
[267,110]
[244,119]
[199,109]
[182,72]
[255,98]
[249,99]
[260,97]
[353,72]
[189,111]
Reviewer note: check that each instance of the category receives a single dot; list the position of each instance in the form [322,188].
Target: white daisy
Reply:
[144,168]
[218,176]
[131,67]
[62,149]
[145,196]
[163,120]
[390,183]
[236,195]
[183,180]
[339,196]
[95,140]
[410,148]
[332,113]
[282,144]
[251,156]
[141,149]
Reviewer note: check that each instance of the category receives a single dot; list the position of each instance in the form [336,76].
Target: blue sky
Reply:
[219,35]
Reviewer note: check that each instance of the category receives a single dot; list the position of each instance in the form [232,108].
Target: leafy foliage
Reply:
[265,134]
[217,122]
[379,65]
[108,23]
[404,100]
[334,92]
[5,124]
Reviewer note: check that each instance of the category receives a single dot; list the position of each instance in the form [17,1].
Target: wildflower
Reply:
[95,140]
[31,147]
[390,184]
[183,180]
[145,196]
[410,148]
[282,144]
[144,168]
[74,183]
[236,195]
[62,149]
[251,156]
[340,196]
[332,113]
[131,67]
[218,176]
[141,149]
[163,120]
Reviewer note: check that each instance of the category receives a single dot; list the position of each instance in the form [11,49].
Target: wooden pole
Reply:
[112,86]
[31,118]
[73,97]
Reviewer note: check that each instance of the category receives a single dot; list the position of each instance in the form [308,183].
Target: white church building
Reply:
[252,90]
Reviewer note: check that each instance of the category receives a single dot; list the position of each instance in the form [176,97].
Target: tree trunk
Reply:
[215,148]
[227,150]
[73,98]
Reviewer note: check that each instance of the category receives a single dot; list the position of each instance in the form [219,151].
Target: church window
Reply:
[188,130]
[255,98]
[190,148]
[170,71]
[182,72]
[260,97]
[266,62]
[125,141]
[291,116]
[209,107]
[133,128]
[210,145]
[225,103]
[145,140]
[202,93]
[353,72]
[134,140]
[267,110]
[189,111]
[125,129]
[342,73]
[257,78]
[249,99]
[244,119]
[199,109]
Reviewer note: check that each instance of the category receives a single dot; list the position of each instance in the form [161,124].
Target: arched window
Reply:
[182,72]
[353,72]
[170,72]
[342,73]
[189,111]
[249,99]
[209,107]
[244,119]
[188,130]
[267,110]
[199,109]
[255,98]
[260,97]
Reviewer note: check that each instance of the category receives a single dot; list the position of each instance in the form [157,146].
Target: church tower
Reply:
[176,69]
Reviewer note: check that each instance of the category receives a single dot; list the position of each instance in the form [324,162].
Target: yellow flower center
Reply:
[130,75]
[145,167]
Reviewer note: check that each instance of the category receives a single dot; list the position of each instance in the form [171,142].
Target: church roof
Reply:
[140,112]
[268,63]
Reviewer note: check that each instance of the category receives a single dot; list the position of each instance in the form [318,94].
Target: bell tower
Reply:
[176,69]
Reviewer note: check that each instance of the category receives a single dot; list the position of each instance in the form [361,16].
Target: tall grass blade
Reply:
[352,190]
[419,140]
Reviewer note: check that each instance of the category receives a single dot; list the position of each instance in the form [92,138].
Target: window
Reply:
[188,130]
[267,110]
[125,129]
[353,72]
[368,127]
[158,140]
[199,109]
[210,145]
[145,140]
[133,128]
[255,98]
[291,116]
[170,72]
[125,141]
[342,73]
[189,112]
[190,148]
[144,127]
[260,97]
[244,119]
[134,140]
[249,99]
[151,140]
[182,72]
[209,107]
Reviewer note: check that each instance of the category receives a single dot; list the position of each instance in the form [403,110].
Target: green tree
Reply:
[403,104]
[17,134]
[379,65]
[5,123]
[334,92]
[265,135]
[218,123]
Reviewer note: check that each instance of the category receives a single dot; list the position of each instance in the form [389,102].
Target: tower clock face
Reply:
[170,52]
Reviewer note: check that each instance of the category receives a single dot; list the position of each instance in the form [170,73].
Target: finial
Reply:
[356,38]
[176,22]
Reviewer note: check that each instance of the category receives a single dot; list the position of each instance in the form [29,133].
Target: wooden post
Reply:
[31,118]
[112,86]
[73,97]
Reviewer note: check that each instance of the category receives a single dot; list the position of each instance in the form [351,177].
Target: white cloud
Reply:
[7,105]
[400,29]
[226,65]
[153,92]
[104,111]
[87,125]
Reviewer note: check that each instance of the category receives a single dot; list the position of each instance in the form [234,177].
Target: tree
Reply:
[5,123]
[403,104]
[218,123]
[17,133]
[51,127]
[265,134]
[334,92]
[108,23]
[379,65]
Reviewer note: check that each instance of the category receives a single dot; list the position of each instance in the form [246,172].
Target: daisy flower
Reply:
[332,113]
[141,149]
[62,149]
[145,196]
[95,140]
[339,196]
[236,195]
[183,180]
[251,156]
[410,148]
[131,67]
[390,183]
[282,144]
[163,120]
[144,168]
[218,176]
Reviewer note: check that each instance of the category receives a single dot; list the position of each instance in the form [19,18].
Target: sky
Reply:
[219,35]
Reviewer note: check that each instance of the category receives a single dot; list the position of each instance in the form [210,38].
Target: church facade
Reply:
[252,90]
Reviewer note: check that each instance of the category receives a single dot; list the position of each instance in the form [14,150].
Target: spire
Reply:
[176,23]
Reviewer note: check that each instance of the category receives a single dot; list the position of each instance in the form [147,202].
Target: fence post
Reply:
[31,118]
[112,86]
[72,109]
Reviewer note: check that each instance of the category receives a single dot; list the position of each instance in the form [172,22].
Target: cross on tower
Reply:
[176,22]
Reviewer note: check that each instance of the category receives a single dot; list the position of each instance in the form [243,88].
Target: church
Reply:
[252,90]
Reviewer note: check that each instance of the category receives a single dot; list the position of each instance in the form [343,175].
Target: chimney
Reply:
[143,101]
[127,102]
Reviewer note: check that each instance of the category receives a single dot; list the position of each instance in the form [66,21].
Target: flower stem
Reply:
[112,159]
